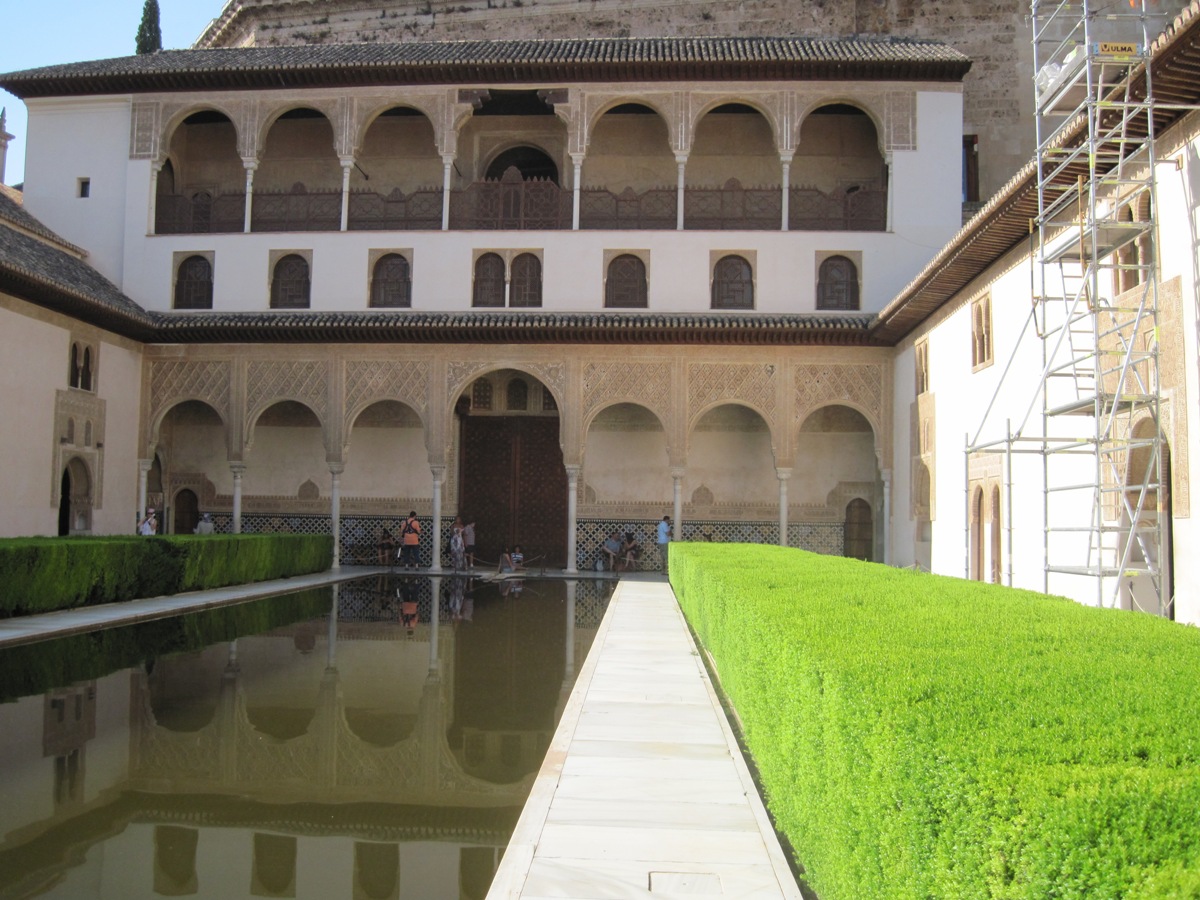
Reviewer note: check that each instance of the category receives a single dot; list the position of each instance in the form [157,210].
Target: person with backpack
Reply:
[410,539]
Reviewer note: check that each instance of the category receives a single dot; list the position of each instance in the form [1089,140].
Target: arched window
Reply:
[85,374]
[194,284]
[391,285]
[489,281]
[290,287]
[518,395]
[625,286]
[73,375]
[837,284]
[526,281]
[481,394]
[733,284]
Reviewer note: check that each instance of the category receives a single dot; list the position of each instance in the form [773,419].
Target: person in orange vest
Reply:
[410,538]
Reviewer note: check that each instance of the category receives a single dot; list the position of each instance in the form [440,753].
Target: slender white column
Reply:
[238,469]
[577,159]
[890,193]
[783,475]
[151,226]
[347,165]
[572,537]
[335,511]
[569,649]
[434,621]
[439,475]
[447,165]
[677,489]
[786,160]
[887,516]
[331,635]
[144,466]
[681,163]
[251,165]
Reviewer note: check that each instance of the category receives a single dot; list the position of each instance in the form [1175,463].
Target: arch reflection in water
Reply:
[373,753]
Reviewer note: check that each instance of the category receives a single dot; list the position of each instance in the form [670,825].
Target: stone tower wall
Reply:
[997,101]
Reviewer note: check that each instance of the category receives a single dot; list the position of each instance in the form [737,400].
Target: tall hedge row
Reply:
[926,737]
[44,574]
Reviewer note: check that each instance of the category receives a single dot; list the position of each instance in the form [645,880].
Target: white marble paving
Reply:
[644,793]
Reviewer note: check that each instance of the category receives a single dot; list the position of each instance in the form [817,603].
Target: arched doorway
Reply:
[976,570]
[1144,468]
[186,512]
[513,480]
[859,537]
[995,535]
[75,499]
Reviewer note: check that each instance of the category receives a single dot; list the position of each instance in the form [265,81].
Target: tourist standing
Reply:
[664,538]
[410,539]
[468,535]
[149,525]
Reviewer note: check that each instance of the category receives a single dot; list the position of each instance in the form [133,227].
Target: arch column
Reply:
[238,470]
[681,165]
[347,164]
[577,160]
[783,475]
[572,505]
[785,160]
[887,162]
[144,466]
[677,507]
[251,166]
[335,510]
[447,166]
[152,225]
[887,516]
[439,476]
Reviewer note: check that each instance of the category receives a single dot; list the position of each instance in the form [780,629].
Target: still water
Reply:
[273,749]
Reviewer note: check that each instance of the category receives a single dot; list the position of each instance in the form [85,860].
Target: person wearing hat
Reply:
[149,525]
[205,525]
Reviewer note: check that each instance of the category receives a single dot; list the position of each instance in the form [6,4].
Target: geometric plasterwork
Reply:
[1172,374]
[369,380]
[144,130]
[79,425]
[828,383]
[274,380]
[647,384]
[751,383]
[901,107]
[459,372]
[173,381]
[553,375]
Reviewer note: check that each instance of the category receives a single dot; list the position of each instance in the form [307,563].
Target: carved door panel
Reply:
[514,486]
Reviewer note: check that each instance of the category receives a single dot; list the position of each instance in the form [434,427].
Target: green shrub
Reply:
[44,574]
[927,737]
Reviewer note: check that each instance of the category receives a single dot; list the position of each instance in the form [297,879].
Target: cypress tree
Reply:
[149,35]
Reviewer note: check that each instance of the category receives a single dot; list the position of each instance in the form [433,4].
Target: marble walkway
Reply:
[644,792]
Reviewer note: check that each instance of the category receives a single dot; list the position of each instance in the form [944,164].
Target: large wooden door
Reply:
[514,487]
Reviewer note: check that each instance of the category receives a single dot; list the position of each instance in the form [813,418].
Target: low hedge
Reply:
[37,668]
[920,736]
[45,574]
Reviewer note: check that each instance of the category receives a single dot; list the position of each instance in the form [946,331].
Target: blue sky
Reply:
[49,32]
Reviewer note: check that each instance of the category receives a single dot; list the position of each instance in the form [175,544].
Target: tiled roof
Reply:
[525,327]
[38,270]
[513,61]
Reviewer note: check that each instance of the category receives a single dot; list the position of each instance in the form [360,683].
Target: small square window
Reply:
[85,187]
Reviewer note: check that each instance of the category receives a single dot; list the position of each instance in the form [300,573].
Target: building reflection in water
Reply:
[382,752]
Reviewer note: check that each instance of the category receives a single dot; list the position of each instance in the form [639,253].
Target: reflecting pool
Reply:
[273,749]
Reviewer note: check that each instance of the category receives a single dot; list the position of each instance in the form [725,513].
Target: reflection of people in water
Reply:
[511,587]
[408,604]
[458,591]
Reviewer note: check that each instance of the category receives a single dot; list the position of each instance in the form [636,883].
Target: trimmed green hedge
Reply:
[37,668]
[920,736]
[44,574]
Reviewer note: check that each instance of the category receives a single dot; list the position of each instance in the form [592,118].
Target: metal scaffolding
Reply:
[1094,308]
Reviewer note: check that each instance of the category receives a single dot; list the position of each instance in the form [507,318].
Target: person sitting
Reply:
[517,557]
[386,547]
[506,562]
[610,550]
[630,552]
